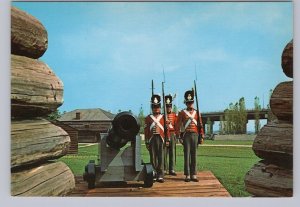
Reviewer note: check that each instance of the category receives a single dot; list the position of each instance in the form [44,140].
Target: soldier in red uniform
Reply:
[171,121]
[154,137]
[188,136]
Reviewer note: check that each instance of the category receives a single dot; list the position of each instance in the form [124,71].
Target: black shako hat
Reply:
[155,100]
[168,100]
[189,96]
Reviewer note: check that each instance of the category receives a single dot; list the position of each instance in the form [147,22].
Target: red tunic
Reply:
[183,120]
[172,117]
[152,128]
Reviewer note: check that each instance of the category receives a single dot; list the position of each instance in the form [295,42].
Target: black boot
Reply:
[194,178]
[187,178]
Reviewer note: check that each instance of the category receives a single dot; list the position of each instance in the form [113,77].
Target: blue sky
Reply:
[106,54]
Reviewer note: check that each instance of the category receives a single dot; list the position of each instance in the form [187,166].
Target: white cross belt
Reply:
[191,118]
[156,122]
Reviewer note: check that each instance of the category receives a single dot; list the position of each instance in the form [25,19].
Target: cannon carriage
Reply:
[119,155]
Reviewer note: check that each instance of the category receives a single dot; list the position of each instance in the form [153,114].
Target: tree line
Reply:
[235,119]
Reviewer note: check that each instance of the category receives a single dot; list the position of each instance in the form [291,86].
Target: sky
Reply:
[106,54]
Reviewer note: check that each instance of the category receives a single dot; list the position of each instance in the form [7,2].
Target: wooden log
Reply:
[73,134]
[35,89]
[274,143]
[35,141]
[281,101]
[269,180]
[287,59]
[28,36]
[49,179]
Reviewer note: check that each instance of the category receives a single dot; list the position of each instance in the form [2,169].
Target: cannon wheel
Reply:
[90,174]
[148,182]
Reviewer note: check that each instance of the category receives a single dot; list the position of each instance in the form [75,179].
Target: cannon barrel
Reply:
[125,127]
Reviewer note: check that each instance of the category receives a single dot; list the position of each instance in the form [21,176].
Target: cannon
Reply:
[119,157]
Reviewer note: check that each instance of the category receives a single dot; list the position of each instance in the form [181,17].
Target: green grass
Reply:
[228,164]
[227,142]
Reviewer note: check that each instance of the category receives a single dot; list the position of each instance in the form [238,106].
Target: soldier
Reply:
[171,144]
[187,119]
[154,137]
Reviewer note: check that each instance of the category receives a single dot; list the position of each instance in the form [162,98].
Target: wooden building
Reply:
[89,123]
[73,134]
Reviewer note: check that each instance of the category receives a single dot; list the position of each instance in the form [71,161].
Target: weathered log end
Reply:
[269,180]
[287,59]
[274,143]
[49,179]
[34,141]
[35,89]
[28,36]
[281,101]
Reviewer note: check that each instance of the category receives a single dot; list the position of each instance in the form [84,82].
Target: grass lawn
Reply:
[228,164]
[227,142]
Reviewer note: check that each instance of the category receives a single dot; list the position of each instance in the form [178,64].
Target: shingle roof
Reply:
[88,115]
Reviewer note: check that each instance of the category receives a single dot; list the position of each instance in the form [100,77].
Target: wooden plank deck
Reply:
[174,186]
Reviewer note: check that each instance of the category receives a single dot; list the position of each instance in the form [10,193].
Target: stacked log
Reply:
[281,102]
[35,92]
[48,179]
[287,60]
[273,175]
[28,36]
[269,180]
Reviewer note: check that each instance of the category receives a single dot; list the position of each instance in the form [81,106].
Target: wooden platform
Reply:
[174,186]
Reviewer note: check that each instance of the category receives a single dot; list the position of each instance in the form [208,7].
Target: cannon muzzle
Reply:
[125,127]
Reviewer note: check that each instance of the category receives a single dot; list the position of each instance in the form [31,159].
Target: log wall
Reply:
[273,176]
[35,92]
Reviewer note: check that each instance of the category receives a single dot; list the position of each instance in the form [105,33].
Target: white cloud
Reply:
[173,45]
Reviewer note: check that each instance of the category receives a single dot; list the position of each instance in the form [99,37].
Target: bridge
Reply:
[215,116]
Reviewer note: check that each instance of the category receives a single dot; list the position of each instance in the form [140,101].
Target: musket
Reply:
[199,116]
[175,138]
[164,112]
[152,87]
[152,91]
[165,124]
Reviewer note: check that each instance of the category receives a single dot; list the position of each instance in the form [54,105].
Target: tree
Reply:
[55,115]
[208,126]
[175,109]
[229,118]
[141,118]
[221,125]
[242,116]
[257,109]
[235,118]
[271,116]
